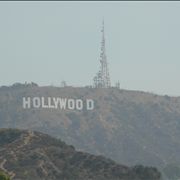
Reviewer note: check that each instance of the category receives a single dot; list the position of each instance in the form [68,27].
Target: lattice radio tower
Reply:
[102,78]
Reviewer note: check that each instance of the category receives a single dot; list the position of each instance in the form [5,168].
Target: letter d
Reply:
[89,104]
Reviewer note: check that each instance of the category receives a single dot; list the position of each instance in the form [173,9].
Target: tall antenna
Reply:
[102,78]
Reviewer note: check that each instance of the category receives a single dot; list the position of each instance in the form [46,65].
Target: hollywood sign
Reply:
[57,103]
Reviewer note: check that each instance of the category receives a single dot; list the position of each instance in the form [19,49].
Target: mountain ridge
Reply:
[130,127]
[28,155]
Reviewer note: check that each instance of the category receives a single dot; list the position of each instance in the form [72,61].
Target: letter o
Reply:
[36,102]
[79,104]
[71,104]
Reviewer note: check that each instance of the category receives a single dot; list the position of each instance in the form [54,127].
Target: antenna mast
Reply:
[102,78]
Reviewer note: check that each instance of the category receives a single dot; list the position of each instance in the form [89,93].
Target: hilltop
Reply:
[27,155]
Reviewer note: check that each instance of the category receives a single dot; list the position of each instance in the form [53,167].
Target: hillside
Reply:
[27,155]
[130,127]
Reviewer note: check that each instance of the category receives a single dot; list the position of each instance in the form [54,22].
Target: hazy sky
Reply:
[47,42]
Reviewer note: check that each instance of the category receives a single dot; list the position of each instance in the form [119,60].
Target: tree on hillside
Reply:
[3,176]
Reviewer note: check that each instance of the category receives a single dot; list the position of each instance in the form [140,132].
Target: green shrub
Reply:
[3,176]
